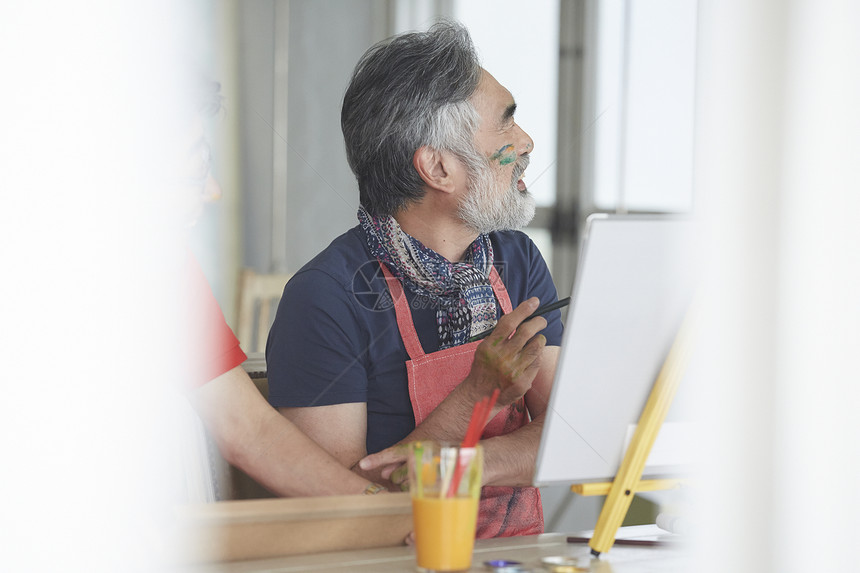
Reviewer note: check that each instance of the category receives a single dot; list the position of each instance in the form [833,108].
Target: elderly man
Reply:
[371,346]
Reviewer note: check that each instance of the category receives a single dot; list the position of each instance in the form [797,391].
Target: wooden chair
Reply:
[257,293]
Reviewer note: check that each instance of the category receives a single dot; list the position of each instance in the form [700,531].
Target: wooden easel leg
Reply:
[629,473]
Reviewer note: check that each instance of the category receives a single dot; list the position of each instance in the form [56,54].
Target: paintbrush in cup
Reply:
[480,416]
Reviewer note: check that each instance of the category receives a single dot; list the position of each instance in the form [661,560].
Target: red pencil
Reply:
[480,416]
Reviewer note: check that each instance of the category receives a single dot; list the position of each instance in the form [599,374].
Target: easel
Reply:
[628,479]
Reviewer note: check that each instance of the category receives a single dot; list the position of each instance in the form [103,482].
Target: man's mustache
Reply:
[520,166]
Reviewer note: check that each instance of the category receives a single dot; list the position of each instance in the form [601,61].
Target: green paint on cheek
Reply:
[505,155]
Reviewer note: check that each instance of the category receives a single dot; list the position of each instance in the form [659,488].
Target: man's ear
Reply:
[435,168]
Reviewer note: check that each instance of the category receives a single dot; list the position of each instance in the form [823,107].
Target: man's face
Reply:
[497,197]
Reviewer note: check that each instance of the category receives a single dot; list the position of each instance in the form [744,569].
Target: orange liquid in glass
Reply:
[444,532]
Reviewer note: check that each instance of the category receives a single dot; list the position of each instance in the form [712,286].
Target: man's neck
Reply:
[446,235]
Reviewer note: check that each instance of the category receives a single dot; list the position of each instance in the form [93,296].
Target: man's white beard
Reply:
[484,210]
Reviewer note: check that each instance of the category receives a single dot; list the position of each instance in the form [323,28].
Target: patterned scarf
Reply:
[461,292]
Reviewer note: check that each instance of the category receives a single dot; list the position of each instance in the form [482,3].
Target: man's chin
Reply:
[527,218]
[509,225]
[527,211]
[514,218]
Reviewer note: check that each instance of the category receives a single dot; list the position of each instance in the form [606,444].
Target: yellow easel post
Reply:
[627,481]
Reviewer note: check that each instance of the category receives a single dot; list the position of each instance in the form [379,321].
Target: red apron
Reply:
[504,511]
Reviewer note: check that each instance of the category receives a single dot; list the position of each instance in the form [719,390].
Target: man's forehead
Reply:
[494,97]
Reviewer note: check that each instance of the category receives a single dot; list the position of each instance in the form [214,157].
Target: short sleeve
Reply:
[312,354]
[542,286]
[213,346]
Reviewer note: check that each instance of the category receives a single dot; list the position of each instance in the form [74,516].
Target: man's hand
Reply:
[392,462]
[508,359]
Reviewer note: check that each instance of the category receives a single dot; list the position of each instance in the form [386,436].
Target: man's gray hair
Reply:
[407,92]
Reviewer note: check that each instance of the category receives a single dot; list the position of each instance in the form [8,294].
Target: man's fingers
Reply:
[399,474]
[391,472]
[395,455]
[530,355]
[509,322]
[535,346]
[508,358]
[528,360]
[527,330]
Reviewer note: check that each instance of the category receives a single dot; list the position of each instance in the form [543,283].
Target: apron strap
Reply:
[500,291]
[404,315]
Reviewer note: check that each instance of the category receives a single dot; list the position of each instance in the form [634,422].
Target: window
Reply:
[642,111]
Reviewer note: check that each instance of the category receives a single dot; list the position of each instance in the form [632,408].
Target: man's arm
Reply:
[254,437]
[341,430]
[508,359]
[509,459]
[537,398]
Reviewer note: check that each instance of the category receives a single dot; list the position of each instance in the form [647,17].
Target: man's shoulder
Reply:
[512,245]
[509,237]
[341,259]
[332,290]
[518,261]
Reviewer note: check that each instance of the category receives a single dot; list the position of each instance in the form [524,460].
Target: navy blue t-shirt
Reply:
[335,338]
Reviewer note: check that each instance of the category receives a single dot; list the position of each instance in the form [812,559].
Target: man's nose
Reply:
[527,145]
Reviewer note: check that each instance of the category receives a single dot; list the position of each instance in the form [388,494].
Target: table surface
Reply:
[672,555]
